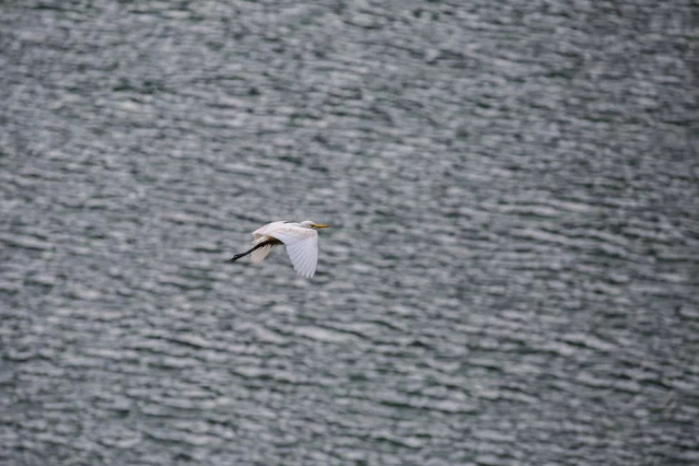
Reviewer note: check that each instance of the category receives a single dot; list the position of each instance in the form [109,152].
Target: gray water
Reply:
[512,273]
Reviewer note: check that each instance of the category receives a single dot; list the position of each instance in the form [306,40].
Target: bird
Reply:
[300,239]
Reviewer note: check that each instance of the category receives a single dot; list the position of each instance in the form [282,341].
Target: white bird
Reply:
[300,239]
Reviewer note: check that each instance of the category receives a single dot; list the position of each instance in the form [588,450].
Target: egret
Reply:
[300,239]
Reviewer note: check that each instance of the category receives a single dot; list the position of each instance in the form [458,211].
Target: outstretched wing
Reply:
[301,245]
[304,256]
[262,231]
[258,255]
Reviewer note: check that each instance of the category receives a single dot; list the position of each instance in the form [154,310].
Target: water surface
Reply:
[512,274]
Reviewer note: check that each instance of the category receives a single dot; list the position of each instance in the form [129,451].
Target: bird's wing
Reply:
[262,231]
[304,256]
[301,245]
[258,255]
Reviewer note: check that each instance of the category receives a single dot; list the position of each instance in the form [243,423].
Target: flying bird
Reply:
[300,239]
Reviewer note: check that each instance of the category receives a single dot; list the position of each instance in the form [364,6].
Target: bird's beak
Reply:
[320,225]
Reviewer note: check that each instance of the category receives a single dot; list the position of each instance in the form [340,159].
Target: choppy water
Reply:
[512,274]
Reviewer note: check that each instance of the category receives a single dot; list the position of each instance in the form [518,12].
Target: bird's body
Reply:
[300,239]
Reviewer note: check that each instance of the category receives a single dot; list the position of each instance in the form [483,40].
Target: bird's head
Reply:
[314,225]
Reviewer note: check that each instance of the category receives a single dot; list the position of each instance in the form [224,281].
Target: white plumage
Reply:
[300,239]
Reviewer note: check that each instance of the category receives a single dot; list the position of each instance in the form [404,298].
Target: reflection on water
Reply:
[512,274]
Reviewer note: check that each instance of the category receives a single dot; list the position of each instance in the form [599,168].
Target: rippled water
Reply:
[512,274]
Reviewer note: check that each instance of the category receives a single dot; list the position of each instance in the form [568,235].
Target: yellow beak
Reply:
[320,225]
